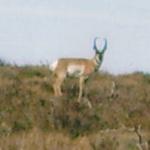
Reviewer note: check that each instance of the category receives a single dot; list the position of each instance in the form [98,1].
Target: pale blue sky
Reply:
[44,30]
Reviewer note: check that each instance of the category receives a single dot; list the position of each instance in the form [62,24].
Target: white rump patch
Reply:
[53,66]
[75,70]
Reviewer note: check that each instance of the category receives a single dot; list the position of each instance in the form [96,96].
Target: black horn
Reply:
[100,50]
[94,46]
[105,46]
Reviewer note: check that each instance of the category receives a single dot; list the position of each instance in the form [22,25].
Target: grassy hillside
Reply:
[31,118]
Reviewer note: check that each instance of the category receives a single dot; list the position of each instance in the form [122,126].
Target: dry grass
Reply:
[38,140]
[31,118]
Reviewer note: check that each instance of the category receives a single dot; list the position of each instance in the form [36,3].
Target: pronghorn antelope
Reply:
[81,68]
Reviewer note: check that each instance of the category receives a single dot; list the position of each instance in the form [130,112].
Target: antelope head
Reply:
[99,53]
